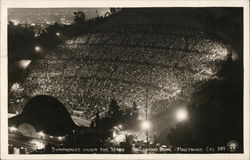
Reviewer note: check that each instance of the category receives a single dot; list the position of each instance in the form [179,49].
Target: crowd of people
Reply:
[127,64]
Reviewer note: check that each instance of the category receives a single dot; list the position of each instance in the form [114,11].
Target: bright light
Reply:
[145,125]
[41,134]
[58,34]
[115,127]
[59,138]
[37,144]
[114,134]
[24,63]
[37,48]
[119,138]
[16,22]
[182,115]
[12,129]
[120,126]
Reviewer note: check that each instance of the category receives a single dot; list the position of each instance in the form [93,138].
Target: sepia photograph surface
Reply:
[125,81]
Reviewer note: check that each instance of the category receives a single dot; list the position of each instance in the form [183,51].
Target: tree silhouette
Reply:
[97,118]
[79,22]
[113,10]
[79,18]
[135,111]
[115,111]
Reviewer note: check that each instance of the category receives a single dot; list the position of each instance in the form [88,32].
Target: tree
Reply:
[135,112]
[79,18]
[79,22]
[92,124]
[115,111]
[113,11]
[48,38]
[97,118]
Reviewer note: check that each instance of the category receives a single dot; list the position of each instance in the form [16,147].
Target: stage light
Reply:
[24,63]
[146,125]
[181,115]
[59,138]
[37,48]
[58,34]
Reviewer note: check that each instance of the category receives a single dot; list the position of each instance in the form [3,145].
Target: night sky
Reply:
[43,15]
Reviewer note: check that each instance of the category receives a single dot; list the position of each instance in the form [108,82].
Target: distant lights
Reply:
[58,34]
[37,48]
[59,138]
[36,35]
[15,22]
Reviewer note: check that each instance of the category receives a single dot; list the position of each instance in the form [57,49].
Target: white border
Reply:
[119,3]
